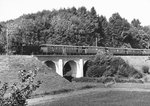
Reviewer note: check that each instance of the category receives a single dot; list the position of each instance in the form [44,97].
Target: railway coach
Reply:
[48,49]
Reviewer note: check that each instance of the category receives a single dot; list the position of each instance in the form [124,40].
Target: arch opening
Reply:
[87,64]
[51,65]
[70,70]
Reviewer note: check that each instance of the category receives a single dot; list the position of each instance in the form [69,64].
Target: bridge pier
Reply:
[79,68]
[59,67]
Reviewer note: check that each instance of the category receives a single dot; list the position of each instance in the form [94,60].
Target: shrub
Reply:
[95,71]
[19,93]
[145,69]
[107,65]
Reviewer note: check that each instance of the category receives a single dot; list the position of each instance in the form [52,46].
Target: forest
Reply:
[72,26]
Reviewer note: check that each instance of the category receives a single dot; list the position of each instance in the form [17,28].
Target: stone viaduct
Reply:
[75,64]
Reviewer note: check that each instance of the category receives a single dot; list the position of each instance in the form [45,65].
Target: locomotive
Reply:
[48,49]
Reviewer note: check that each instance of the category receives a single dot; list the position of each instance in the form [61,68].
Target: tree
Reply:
[73,27]
[81,11]
[136,38]
[19,32]
[136,23]
[117,25]
[93,11]
[2,38]
[73,10]
[103,39]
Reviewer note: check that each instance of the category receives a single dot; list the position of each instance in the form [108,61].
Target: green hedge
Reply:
[107,79]
[107,65]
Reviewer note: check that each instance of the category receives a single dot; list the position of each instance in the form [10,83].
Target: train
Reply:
[48,49]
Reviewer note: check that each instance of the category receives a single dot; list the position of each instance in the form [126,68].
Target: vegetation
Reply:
[145,69]
[19,92]
[107,79]
[109,66]
[72,26]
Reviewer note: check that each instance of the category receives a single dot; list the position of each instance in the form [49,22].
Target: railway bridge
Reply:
[72,65]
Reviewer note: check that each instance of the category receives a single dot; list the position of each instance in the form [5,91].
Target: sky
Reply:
[128,9]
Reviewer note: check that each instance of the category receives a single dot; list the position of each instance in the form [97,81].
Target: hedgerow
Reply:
[107,79]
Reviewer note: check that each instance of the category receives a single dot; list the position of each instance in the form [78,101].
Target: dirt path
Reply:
[50,98]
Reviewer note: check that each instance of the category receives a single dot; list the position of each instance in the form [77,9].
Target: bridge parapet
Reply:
[64,57]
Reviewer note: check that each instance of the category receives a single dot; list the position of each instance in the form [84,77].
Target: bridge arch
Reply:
[70,69]
[85,67]
[51,65]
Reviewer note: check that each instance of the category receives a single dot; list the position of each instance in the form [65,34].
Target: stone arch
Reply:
[85,67]
[70,69]
[51,65]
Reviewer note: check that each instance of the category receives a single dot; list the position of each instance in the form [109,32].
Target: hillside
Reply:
[137,61]
[10,65]
[72,26]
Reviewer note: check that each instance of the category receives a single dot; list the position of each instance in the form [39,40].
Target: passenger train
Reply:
[48,49]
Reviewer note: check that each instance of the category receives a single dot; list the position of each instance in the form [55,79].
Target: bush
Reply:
[95,71]
[19,93]
[107,65]
[127,80]
[145,69]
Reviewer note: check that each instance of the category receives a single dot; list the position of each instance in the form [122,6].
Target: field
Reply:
[101,97]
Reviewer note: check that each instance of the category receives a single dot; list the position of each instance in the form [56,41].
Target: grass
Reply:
[50,80]
[78,86]
[109,98]
[55,92]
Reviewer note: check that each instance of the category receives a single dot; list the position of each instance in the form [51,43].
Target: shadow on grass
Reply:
[86,87]
[60,91]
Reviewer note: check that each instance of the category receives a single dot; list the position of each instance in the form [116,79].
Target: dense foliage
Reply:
[19,92]
[109,66]
[74,27]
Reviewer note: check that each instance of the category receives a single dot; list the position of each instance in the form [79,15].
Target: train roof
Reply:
[64,45]
[53,45]
[89,46]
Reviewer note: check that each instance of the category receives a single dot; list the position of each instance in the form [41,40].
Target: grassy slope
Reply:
[137,61]
[10,65]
